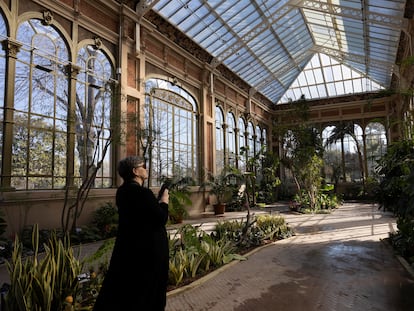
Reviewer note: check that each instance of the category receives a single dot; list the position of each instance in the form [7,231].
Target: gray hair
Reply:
[126,166]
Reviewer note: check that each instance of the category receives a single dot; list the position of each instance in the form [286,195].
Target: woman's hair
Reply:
[127,164]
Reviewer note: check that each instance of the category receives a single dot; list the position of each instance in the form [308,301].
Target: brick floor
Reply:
[335,262]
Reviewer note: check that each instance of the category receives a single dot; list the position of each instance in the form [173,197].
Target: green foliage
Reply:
[86,234]
[371,187]
[41,283]
[178,200]
[395,189]
[4,243]
[273,227]
[229,230]
[106,220]
[262,175]
[179,197]
[44,235]
[324,202]
[303,151]
[223,184]
[39,141]
[342,130]
[218,252]
[309,196]
[396,193]
[262,228]
[185,264]
[90,283]
[177,266]
[194,263]
[403,239]
[193,253]
[407,62]
[102,256]
[312,179]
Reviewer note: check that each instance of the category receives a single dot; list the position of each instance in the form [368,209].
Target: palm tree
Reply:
[338,134]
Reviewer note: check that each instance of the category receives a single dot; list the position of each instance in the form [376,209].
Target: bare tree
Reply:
[96,129]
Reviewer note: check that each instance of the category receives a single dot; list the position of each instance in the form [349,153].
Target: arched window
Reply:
[332,156]
[41,105]
[264,139]
[3,35]
[375,145]
[347,138]
[258,143]
[231,139]
[353,149]
[93,106]
[242,144]
[170,121]
[219,139]
[289,145]
[250,140]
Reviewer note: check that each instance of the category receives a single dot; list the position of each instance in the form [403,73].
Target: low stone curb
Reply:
[409,268]
[406,265]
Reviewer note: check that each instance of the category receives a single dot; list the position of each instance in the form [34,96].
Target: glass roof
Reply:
[324,76]
[269,43]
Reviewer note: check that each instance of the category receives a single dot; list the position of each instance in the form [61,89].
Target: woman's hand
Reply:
[165,197]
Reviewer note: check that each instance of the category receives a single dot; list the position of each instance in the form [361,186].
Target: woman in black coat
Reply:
[137,275]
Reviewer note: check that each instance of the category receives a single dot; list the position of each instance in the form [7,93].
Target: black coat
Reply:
[137,275]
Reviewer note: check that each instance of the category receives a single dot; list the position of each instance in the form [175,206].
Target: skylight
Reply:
[268,43]
[326,77]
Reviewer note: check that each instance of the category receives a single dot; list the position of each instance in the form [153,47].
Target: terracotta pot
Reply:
[177,219]
[219,208]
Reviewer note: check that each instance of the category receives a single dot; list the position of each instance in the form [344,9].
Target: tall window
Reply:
[231,139]
[376,145]
[242,143]
[260,147]
[264,139]
[93,114]
[3,35]
[170,121]
[289,145]
[353,148]
[258,143]
[219,139]
[332,156]
[250,140]
[41,98]
[344,152]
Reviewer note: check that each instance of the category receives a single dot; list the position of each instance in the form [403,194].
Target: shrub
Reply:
[273,227]
[105,219]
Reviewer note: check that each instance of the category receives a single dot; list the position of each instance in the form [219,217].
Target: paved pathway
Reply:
[335,262]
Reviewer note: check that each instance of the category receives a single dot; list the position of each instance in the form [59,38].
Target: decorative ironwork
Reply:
[47,18]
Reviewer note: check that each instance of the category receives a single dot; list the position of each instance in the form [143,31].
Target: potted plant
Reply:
[222,187]
[179,197]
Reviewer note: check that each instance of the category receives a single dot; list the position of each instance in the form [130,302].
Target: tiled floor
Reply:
[335,262]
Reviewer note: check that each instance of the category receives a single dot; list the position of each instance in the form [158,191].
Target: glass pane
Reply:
[93,115]
[172,126]
[39,144]
[3,34]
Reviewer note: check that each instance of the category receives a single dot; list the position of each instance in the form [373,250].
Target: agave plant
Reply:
[42,282]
